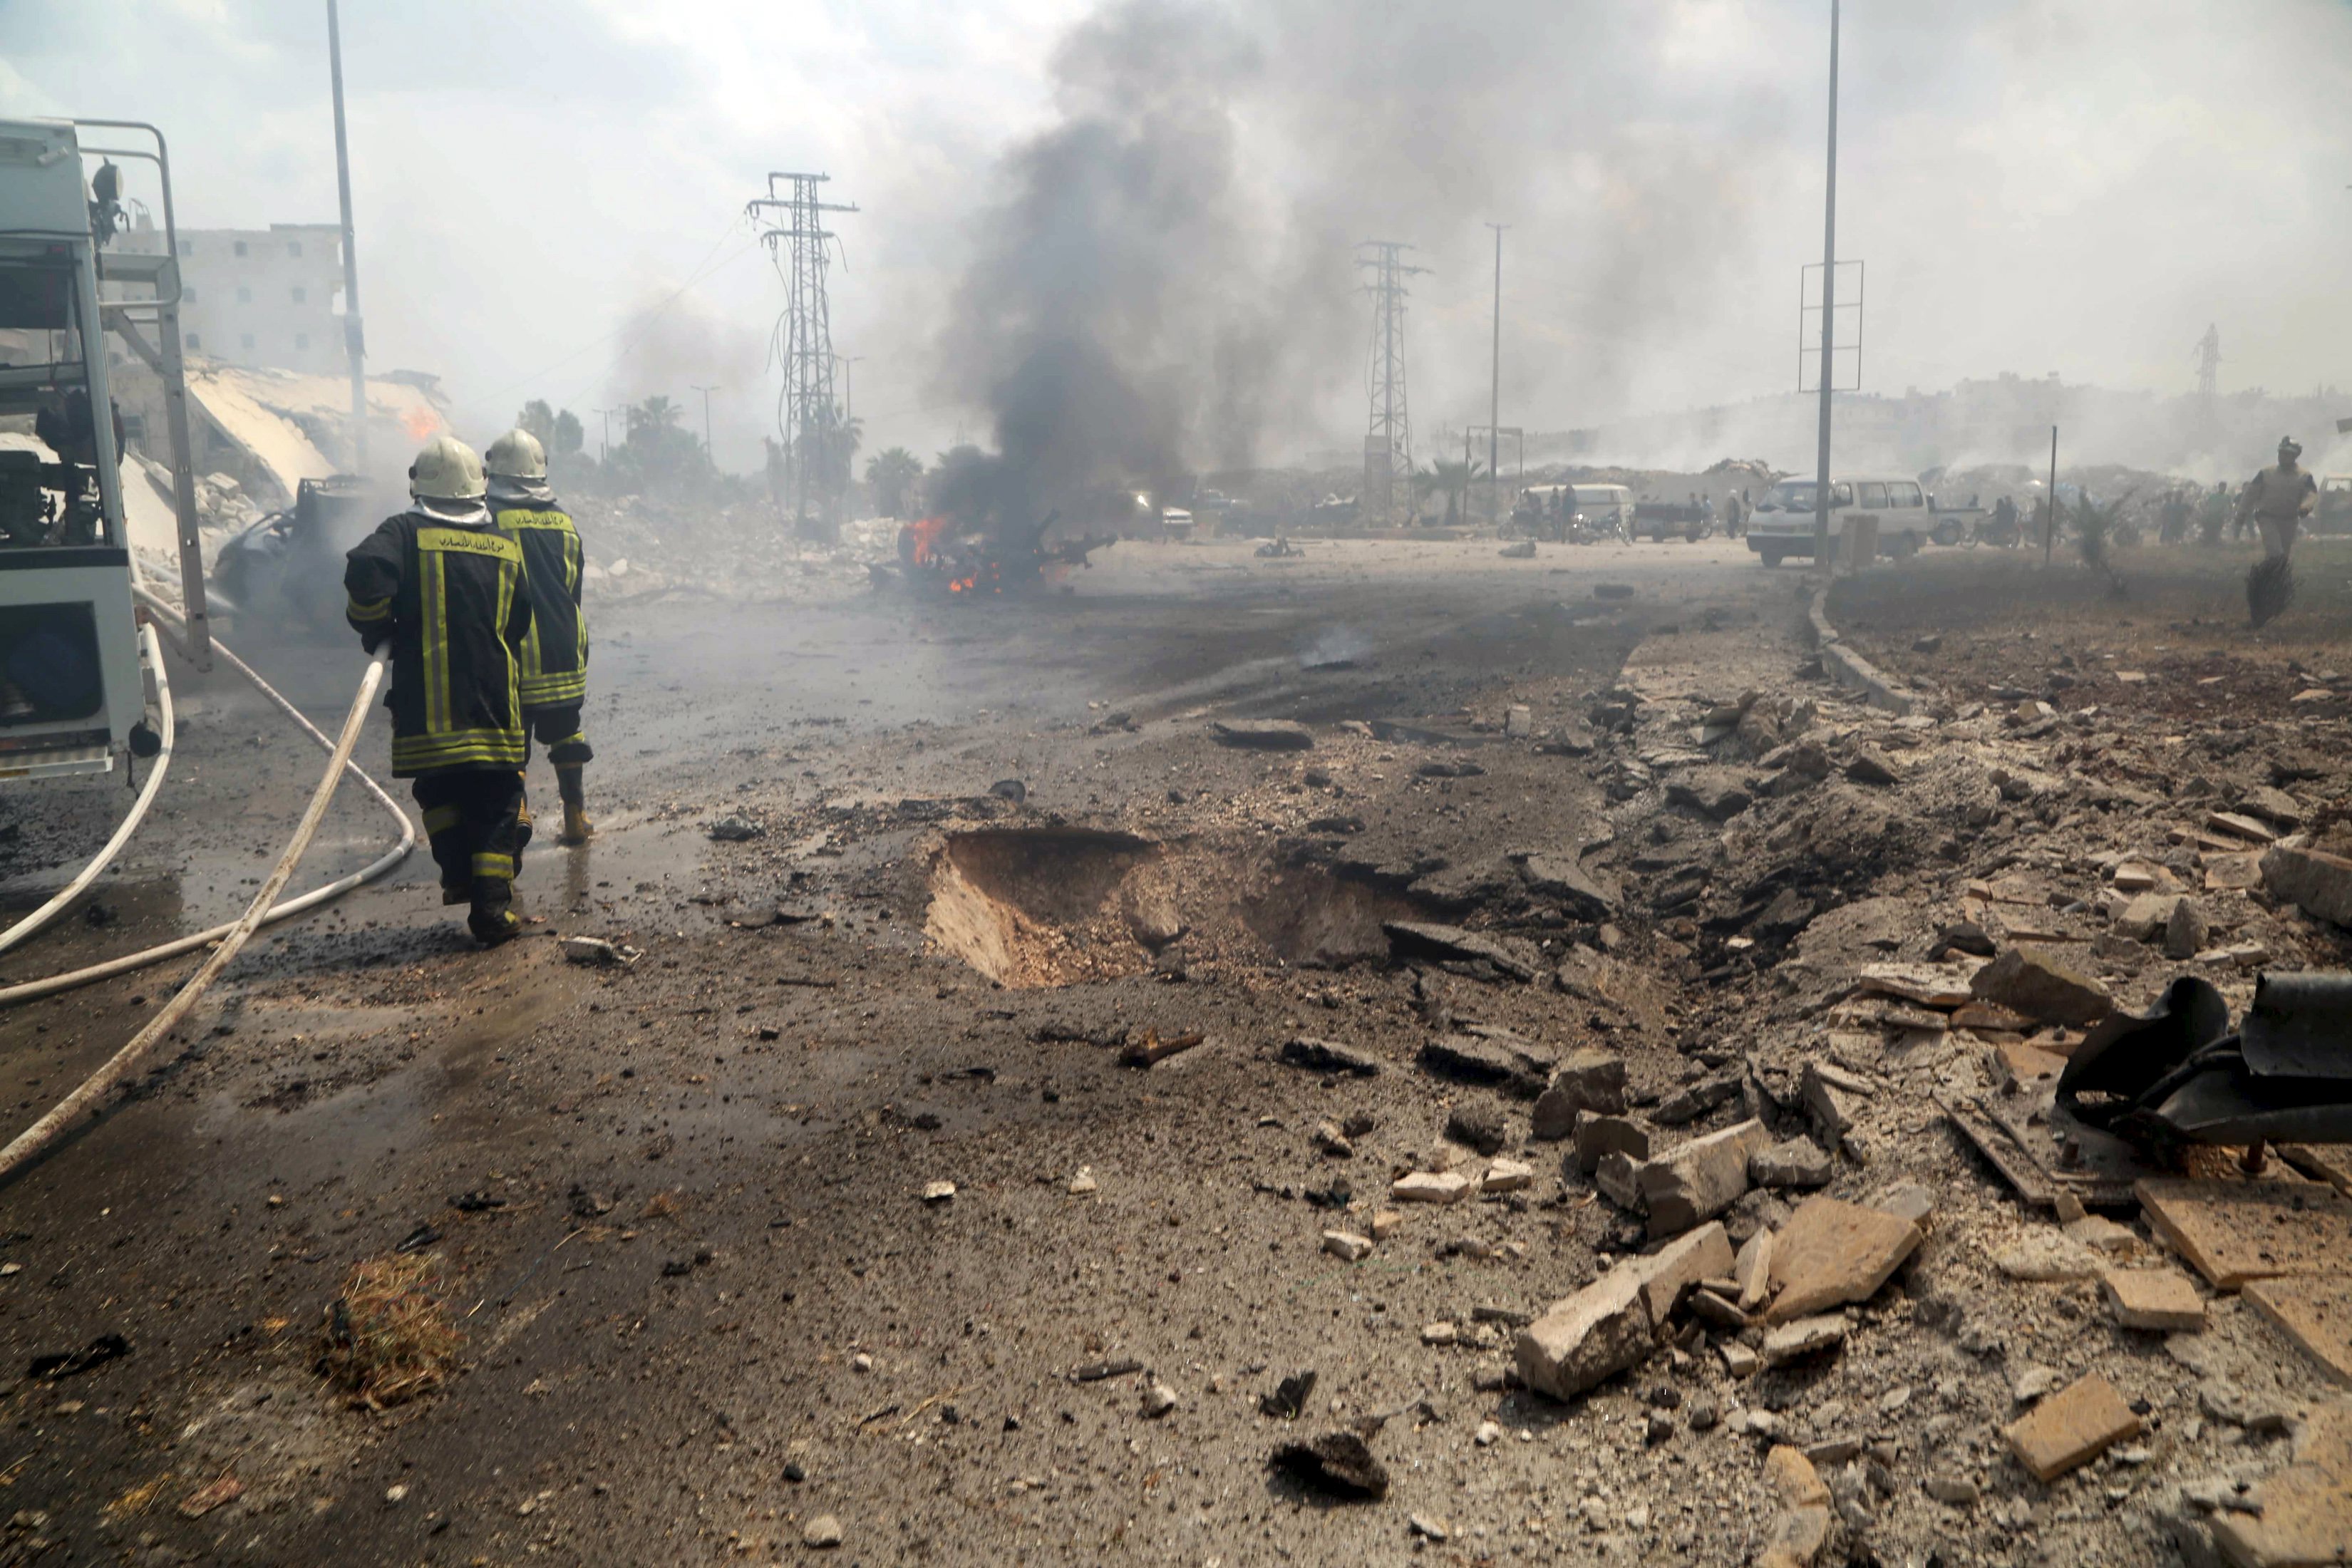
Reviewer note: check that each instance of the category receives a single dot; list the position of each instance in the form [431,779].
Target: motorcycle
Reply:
[1994,529]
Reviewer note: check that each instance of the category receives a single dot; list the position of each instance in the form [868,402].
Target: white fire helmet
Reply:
[517,454]
[446,470]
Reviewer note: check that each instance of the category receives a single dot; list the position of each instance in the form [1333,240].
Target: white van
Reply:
[1782,523]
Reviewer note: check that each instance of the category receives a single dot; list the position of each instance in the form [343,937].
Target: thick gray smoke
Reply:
[1101,314]
[1163,282]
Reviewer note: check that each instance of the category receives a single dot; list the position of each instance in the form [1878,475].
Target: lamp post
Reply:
[1494,401]
[707,452]
[1829,318]
[354,341]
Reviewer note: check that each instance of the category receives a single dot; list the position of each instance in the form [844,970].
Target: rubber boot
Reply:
[576,827]
[493,920]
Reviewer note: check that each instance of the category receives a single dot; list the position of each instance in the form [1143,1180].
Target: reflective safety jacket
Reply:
[446,589]
[555,654]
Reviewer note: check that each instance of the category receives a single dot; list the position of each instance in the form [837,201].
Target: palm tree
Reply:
[1454,480]
[656,413]
[889,472]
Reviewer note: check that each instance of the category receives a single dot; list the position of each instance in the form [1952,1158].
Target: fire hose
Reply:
[105,857]
[85,1098]
[34,989]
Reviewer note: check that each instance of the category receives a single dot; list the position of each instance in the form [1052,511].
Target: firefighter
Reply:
[555,679]
[2278,499]
[446,589]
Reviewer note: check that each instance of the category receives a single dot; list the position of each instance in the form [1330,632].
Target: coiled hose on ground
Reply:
[92,1090]
[32,990]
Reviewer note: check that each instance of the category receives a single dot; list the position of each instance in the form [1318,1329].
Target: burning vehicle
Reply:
[936,556]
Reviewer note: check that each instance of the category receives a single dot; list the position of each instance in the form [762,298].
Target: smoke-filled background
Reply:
[1122,235]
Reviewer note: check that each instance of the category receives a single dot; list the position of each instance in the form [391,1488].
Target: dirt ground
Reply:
[676,1209]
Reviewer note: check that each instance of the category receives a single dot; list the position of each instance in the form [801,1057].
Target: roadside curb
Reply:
[1849,668]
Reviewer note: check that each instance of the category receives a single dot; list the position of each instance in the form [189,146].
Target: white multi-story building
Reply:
[267,297]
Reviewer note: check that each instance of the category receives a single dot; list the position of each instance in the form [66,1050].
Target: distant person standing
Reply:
[554,677]
[2172,526]
[445,588]
[2213,514]
[2278,499]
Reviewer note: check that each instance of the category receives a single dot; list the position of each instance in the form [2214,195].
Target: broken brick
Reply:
[2071,1427]
[1586,1082]
[1597,1136]
[1698,1180]
[2155,1299]
[1593,1335]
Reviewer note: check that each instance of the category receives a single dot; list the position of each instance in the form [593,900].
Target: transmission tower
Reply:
[1388,444]
[800,245]
[2208,364]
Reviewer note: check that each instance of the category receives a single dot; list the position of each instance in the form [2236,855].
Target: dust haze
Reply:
[1162,279]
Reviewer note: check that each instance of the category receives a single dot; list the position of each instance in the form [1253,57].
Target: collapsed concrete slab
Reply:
[2034,983]
[1831,1253]
[2314,881]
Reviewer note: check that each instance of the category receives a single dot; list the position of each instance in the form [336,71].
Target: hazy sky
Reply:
[2076,185]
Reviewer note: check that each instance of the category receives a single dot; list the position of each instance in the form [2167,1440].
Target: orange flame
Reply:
[420,422]
[920,539]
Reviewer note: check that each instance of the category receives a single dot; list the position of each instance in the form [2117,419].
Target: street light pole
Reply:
[1822,563]
[354,341]
[1495,395]
[706,392]
[848,386]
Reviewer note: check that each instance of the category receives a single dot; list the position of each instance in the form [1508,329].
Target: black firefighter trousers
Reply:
[478,822]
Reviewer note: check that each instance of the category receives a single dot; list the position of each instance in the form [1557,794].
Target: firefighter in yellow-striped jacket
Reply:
[554,681]
[446,589]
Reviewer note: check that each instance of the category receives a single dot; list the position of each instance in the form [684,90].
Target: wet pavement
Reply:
[707,1161]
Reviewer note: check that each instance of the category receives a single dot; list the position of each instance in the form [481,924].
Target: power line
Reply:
[1388,443]
[806,416]
[2208,364]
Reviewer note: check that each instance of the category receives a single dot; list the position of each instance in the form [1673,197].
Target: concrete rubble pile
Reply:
[1899,918]
[641,546]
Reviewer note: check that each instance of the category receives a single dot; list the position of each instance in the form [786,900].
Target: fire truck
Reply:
[72,696]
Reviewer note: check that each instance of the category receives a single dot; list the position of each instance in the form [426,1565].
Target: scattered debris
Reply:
[1288,1398]
[57,1364]
[388,1339]
[1153,1049]
[222,1490]
[2071,1428]
[1323,1055]
[596,951]
[1262,734]
[1336,1465]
